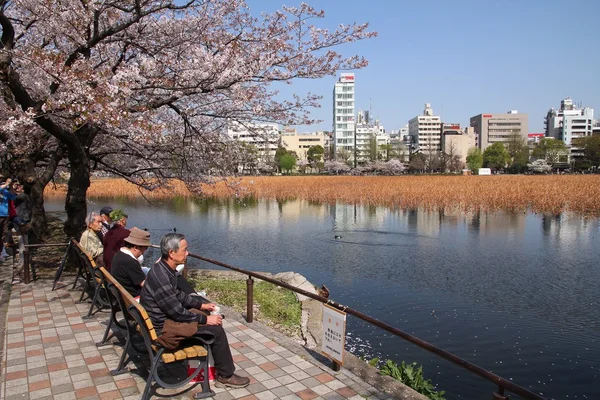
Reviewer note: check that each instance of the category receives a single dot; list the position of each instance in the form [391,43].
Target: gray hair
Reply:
[170,242]
[90,218]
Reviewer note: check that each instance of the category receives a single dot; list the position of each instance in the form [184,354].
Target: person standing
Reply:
[6,195]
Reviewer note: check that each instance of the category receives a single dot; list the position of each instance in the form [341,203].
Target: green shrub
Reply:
[409,375]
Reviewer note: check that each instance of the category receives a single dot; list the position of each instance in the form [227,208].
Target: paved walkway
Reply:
[49,352]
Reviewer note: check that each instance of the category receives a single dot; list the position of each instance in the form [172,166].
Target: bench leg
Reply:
[153,371]
[206,392]
[121,369]
[94,300]
[104,342]
[79,274]
[85,286]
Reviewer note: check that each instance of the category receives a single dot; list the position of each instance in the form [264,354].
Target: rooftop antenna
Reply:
[370,107]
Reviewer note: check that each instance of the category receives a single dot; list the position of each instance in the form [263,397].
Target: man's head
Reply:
[138,241]
[118,217]
[174,249]
[94,221]
[105,213]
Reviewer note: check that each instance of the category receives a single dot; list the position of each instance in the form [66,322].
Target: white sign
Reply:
[334,333]
[484,171]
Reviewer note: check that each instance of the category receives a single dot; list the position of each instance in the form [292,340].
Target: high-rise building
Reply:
[569,122]
[343,114]
[493,128]
[426,131]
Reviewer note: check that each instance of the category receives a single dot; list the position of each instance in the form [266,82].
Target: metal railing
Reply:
[503,384]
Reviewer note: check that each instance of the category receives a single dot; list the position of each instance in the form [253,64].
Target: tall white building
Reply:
[569,122]
[426,131]
[343,114]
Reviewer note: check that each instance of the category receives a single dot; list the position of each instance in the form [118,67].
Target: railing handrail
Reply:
[498,380]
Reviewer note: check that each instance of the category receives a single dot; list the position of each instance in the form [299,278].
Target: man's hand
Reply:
[214,320]
[208,307]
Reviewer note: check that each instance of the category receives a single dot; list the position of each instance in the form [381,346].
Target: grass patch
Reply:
[273,305]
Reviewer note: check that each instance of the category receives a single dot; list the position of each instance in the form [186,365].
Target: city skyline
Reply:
[464,58]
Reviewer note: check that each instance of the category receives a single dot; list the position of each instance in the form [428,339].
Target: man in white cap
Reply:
[126,267]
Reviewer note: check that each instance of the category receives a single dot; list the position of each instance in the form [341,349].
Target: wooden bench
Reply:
[138,324]
[92,279]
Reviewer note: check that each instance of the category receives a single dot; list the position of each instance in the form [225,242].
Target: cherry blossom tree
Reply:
[144,89]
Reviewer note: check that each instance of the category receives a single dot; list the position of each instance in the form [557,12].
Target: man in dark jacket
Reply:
[163,300]
[126,268]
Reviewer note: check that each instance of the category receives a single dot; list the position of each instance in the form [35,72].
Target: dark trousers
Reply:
[184,285]
[220,349]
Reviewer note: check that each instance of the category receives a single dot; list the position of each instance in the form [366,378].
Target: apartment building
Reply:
[265,137]
[426,131]
[494,128]
[569,122]
[343,114]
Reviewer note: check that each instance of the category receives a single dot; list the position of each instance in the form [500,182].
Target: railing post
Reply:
[26,276]
[335,366]
[249,299]
[500,395]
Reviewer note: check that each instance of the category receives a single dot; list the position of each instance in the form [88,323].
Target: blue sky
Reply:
[465,57]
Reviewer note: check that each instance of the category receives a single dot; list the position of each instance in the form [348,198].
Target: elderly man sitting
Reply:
[126,267]
[89,238]
[163,301]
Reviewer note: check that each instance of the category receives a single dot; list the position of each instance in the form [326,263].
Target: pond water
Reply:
[516,294]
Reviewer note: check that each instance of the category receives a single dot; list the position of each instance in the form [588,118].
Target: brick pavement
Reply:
[50,353]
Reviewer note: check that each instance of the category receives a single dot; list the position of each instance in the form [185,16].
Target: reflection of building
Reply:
[343,114]
[264,137]
[300,143]
[494,128]
[426,131]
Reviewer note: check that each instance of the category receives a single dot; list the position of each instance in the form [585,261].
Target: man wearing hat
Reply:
[106,221]
[126,268]
[115,237]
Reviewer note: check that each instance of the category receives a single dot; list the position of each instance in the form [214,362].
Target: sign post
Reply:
[334,334]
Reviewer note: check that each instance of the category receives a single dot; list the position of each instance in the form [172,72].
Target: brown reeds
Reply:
[542,194]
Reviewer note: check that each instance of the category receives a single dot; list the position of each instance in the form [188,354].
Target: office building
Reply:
[426,131]
[343,114]
[301,142]
[569,122]
[494,128]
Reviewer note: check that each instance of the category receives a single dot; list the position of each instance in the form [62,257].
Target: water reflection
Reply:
[514,293]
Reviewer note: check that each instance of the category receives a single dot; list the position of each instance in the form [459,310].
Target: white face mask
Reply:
[141,259]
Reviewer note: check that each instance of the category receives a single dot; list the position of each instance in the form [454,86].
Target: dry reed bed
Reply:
[542,194]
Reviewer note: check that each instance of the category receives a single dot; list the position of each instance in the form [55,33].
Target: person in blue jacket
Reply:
[5,195]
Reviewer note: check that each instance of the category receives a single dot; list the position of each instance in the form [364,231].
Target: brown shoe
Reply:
[234,381]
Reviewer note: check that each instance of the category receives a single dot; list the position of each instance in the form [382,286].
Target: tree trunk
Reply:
[75,203]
